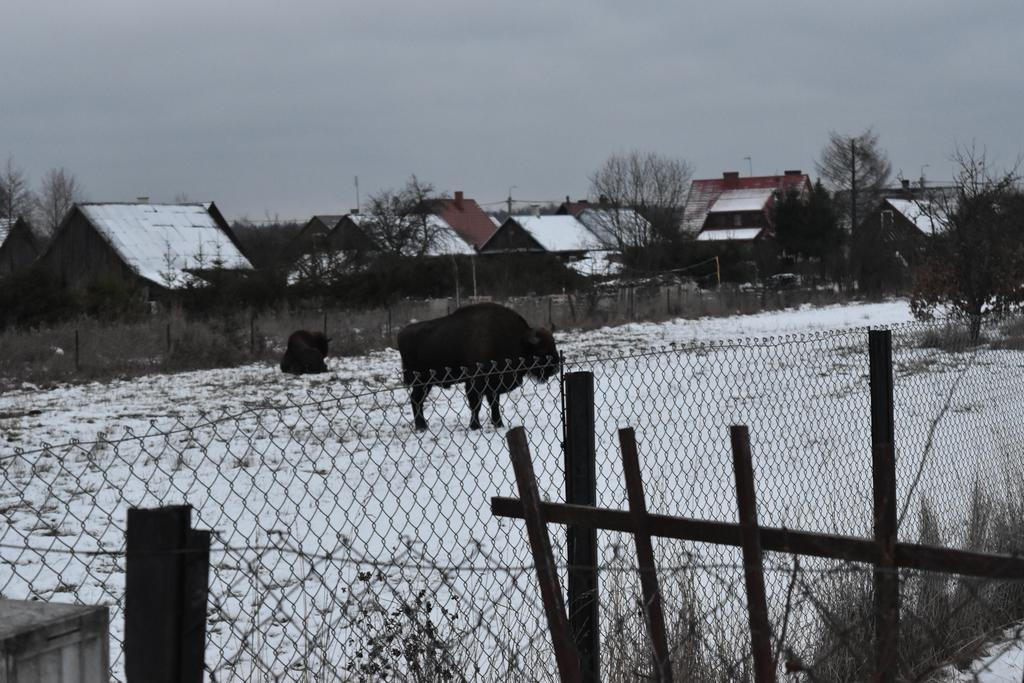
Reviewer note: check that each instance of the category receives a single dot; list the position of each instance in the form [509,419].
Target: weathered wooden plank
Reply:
[654,615]
[540,546]
[775,539]
[753,561]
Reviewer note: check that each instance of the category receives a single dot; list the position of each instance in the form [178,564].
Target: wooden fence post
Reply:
[168,334]
[78,365]
[883,475]
[753,562]
[166,585]
[654,615]
[540,545]
[252,334]
[581,544]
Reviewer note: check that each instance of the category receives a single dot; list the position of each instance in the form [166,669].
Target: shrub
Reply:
[413,639]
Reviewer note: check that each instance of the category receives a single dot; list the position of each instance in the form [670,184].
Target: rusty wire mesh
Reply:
[349,545]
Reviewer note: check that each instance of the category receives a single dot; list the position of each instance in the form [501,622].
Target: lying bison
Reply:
[488,347]
[305,353]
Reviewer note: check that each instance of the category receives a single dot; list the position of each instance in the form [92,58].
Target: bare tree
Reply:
[58,191]
[974,262]
[403,222]
[15,193]
[656,187]
[855,168]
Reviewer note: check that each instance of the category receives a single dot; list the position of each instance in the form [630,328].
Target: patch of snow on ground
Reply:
[1003,663]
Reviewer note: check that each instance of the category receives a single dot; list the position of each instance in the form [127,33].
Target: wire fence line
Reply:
[349,545]
[173,341]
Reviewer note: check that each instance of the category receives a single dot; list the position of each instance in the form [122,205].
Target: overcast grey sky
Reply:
[274,106]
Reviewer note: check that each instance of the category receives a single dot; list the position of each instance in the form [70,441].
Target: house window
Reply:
[737,220]
[887,218]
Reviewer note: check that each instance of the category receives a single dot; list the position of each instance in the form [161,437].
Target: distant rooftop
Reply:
[559,233]
[163,242]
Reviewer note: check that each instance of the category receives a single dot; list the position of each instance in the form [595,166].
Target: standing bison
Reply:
[488,347]
[305,353]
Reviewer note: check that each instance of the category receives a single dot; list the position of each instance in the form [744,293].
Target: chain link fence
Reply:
[348,545]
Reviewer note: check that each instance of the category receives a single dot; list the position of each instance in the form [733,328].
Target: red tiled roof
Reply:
[704,192]
[467,219]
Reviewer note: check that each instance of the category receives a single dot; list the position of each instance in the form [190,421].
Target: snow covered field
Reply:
[326,474]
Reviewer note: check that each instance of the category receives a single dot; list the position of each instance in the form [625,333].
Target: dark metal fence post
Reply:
[166,585]
[581,489]
[883,475]
[753,563]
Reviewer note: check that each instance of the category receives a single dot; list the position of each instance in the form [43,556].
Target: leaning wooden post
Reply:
[653,613]
[540,545]
[883,475]
[753,561]
[581,543]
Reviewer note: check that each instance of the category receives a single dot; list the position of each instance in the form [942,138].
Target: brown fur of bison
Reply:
[305,353]
[487,347]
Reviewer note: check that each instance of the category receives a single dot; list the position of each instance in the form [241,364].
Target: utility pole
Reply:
[357,194]
[853,184]
[472,259]
[510,198]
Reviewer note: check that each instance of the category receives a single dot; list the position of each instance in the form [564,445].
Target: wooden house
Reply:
[156,247]
[313,236]
[329,234]
[736,209]
[891,239]
[563,236]
[19,246]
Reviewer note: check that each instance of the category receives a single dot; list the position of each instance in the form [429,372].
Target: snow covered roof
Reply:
[163,242]
[753,199]
[926,216]
[705,191]
[605,223]
[728,234]
[559,233]
[448,240]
